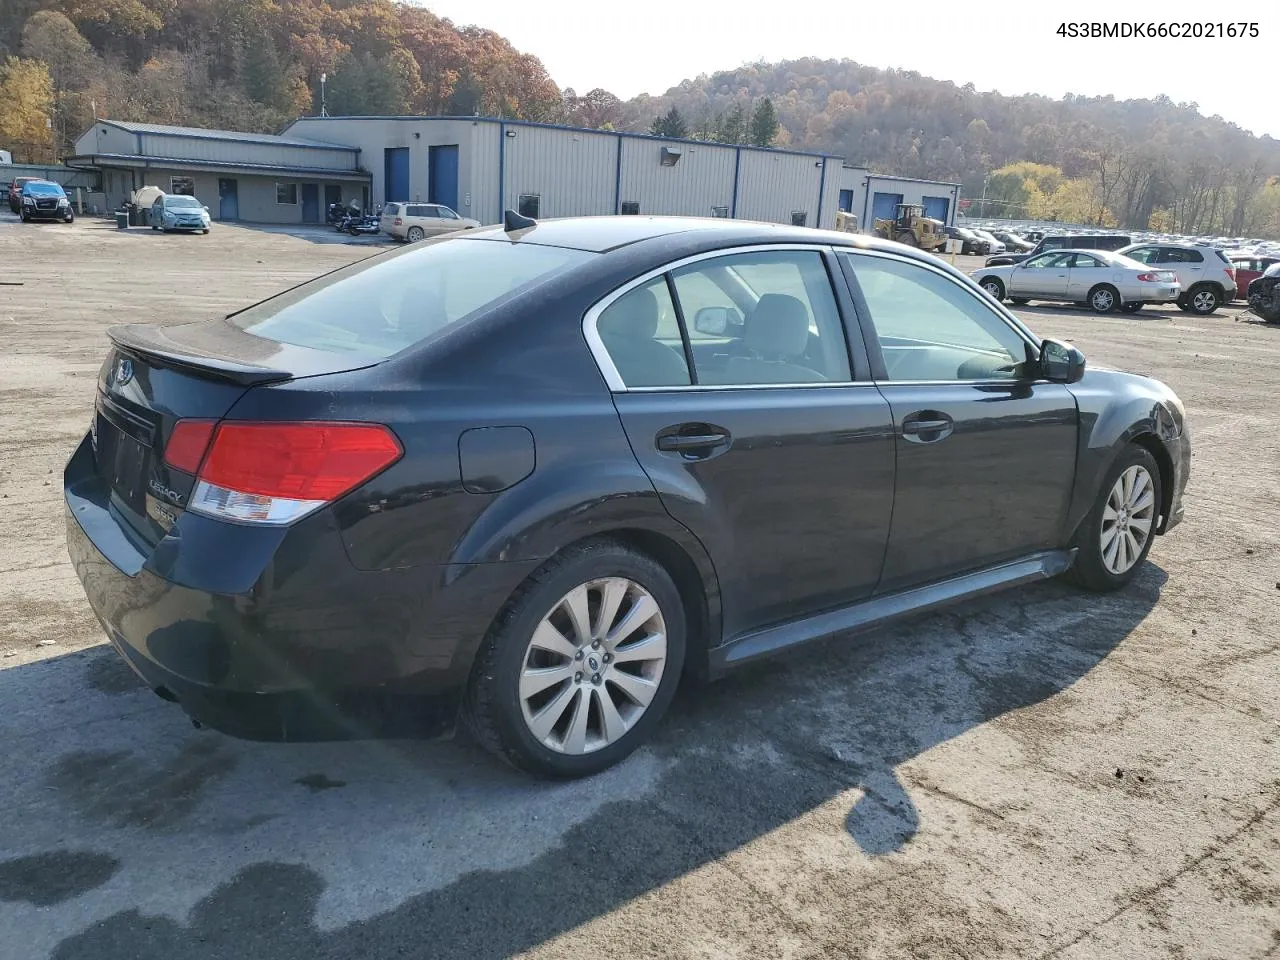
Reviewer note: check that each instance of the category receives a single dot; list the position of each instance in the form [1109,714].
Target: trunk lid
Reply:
[155,376]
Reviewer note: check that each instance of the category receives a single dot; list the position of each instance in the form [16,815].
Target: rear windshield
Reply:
[380,306]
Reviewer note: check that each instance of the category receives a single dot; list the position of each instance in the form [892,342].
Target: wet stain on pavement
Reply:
[46,879]
[315,782]
[125,790]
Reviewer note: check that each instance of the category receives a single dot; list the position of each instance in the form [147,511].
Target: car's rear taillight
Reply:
[279,472]
[399,222]
[1150,277]
[187,444]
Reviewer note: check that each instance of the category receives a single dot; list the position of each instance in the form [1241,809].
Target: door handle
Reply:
[680,442]
[929,426]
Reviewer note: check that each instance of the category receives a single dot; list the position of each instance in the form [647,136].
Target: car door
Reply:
[1044,275]
[758,436]
[432,222]
[985,451]
[1084,272]
[1189,265]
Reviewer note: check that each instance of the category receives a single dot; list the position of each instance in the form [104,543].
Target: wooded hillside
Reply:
[256,64]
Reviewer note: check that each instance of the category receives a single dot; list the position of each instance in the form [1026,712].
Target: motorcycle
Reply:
[336,215]
[370,223]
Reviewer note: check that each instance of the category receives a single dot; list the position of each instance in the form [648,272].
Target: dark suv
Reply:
[1066,241]
[45,200]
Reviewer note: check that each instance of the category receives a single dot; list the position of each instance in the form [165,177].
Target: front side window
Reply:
[377,307]
[1147,255]
[762,318]
[1085,261]
[1046,260]
[642,336]
[932,328]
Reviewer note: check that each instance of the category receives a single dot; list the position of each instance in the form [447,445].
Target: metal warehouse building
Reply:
[238,176]
[481,166]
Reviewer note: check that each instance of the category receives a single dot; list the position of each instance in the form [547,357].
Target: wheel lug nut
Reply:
[577,678]
[595,678]
[578,655]
[608,658]
[595,644]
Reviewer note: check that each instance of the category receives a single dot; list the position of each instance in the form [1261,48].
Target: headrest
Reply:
[634,317]
[778,327]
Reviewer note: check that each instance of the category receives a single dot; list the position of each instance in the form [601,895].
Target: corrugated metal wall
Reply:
[772,186]
[478,167]
[700,180]
[573,172]
[231,151]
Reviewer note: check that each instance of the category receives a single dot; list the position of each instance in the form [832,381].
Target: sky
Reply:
[647,46]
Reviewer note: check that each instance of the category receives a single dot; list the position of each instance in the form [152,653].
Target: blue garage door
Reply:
[442,178]
[395,182]
[936,207]
[885,206]
[311,203]
[846,201]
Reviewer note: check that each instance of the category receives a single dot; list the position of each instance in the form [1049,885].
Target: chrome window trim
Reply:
[610,372]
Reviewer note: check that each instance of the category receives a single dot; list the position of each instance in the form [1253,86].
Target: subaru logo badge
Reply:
[124,371]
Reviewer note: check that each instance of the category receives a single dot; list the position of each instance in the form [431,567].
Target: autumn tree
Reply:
[52,39]
[26,90]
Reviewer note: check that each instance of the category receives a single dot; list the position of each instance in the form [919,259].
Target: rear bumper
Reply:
[273,634]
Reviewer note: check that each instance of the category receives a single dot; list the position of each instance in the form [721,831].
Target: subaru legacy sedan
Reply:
[532,475]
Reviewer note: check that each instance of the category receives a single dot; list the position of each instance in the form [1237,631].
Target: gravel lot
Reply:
[1039,774]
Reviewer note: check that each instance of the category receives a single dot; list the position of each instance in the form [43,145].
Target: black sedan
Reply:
[533,475]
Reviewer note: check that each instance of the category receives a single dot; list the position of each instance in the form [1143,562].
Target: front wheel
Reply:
[994,288]
[909,238]
[579,668]
[1116,536]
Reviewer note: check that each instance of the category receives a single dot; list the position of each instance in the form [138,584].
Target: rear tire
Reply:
[1104,298]
[1097,567]
[1019,301]
[1204,300]
[503,702]
[415,235]
[1132,307]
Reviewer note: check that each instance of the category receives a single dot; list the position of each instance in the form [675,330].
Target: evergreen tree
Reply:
[732,126]
[764,124]
[670,125]
[467,96]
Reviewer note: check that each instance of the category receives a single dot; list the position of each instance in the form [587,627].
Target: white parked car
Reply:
[417,221]
[1102,280]
[1207,277]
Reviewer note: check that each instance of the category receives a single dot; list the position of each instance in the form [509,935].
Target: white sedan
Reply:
[1099,279]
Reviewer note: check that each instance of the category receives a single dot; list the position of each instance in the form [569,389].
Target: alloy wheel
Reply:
[593,665]
[994,289]
[1103,300]
[1127,519]
[1204,301]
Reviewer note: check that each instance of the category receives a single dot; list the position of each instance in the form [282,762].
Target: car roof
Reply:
[602,234]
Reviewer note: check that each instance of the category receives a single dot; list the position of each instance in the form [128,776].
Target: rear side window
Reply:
[1176,255]
[1222,256]
[392,209]
[380,306]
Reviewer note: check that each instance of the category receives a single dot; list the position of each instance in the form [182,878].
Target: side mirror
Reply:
[1061,362]
[712,321]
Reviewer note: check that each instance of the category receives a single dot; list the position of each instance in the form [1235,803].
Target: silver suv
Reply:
[1206,275]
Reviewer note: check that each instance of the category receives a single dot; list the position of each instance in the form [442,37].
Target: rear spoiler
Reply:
[152,344]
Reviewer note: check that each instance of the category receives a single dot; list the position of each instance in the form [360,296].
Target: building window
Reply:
[630,208]
[722,212]
[287,193]
[182,186]
[530,204]
[798,218]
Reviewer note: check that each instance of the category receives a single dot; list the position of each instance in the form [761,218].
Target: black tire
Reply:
[415,235]
[353,231]
[1203,299]
[25,218]
[1104,298]
[491,708]
[1019,301]
[994,287]
[1132,307]
[205,231]
[1089,570]
[154,227]
[1182,304]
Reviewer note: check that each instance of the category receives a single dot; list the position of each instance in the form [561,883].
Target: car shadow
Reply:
[143,838]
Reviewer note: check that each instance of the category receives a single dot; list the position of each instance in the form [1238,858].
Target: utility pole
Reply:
[324,111]
[985,180]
